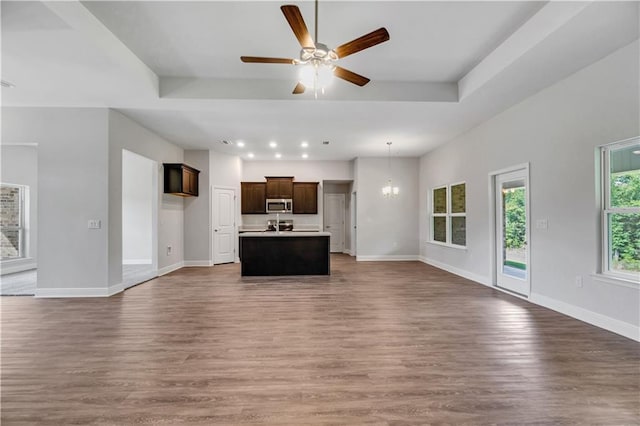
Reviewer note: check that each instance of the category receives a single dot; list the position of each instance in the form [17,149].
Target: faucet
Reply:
[278,222]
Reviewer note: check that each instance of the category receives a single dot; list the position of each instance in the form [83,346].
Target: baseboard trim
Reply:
[115,289]
[622,328]
[347,252]
[457,271]
[190,263]
[170,268]
[386,258]
[72,292]
[136,261]
[17,267]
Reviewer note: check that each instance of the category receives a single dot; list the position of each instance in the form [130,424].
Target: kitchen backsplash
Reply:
[299,221]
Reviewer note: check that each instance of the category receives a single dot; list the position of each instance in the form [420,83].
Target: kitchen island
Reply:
[284,253]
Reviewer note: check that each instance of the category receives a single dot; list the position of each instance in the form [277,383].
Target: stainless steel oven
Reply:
[282,205]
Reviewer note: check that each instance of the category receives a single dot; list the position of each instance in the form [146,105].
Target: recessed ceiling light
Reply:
[278,155]
[272,144]
[5,83]
[240,144]
[304,144]
[305,155]
[250,155]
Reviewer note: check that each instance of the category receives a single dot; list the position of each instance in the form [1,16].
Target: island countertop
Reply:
[285,234]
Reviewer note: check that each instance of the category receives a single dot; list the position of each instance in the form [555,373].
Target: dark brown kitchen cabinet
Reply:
[279,187]
[180,179]
[253,197]
[305,198]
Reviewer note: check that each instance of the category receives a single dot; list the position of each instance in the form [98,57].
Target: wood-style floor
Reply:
[375,343]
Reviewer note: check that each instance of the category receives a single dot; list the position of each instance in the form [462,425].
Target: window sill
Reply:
[15,260]
[453,246]
[610,279]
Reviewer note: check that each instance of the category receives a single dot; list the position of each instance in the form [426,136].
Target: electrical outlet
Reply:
[168,250]
[579,281]
[94,224]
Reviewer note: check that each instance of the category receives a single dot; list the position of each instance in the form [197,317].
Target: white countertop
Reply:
[264,229]
[285,234]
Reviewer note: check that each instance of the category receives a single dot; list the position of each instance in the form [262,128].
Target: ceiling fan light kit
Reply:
[316,59]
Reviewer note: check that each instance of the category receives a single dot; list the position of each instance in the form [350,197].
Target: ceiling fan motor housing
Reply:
[321,53]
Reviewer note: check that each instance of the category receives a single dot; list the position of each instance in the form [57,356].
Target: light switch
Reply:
[94,224]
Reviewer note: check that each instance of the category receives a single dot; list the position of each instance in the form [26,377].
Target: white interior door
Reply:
[224,213]
[512,231]
[334,221]
[354,224]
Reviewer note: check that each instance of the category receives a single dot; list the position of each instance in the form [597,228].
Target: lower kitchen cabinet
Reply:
[305,197]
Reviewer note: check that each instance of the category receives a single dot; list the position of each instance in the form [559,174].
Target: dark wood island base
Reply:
[284,253]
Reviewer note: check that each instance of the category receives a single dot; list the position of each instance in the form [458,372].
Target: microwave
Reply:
[281,205]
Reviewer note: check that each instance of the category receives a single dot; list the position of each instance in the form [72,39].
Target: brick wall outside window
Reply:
[10,222]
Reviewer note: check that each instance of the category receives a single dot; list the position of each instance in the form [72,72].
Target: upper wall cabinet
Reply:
[253,197]
[279,187]
[180,179]
[305,198]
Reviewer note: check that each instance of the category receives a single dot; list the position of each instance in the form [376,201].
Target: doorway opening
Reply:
[511,215]
[139,213]
[19,220]
[337,217]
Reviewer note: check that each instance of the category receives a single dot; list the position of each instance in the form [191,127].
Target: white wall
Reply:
[124,133]
[137,208]
[387,226]
[226,170]
[20,167]
[72,188]
[557,132]
[197,213]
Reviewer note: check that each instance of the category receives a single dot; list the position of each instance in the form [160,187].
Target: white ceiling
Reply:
[174,67]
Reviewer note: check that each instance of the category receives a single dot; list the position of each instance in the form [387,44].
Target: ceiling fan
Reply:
[318,59]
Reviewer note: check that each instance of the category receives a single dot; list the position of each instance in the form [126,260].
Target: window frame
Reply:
[606,209]
[448,215]
[21,228]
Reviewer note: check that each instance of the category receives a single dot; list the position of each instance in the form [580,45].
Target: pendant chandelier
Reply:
[389,190]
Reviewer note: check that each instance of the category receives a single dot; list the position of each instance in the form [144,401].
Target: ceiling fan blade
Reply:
[258,59]
[298,89]
[296,22]
[350,76]
[366,41]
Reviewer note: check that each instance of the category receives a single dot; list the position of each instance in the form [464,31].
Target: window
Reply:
[12,219]
[621,209]
[449,215]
